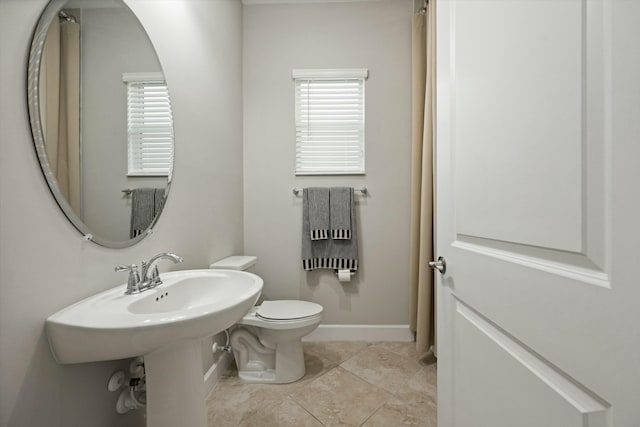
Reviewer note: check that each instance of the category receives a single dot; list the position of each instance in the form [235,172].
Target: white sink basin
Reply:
[191,304]
[165,325]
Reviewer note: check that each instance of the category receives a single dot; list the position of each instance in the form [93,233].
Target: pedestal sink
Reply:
[165,325]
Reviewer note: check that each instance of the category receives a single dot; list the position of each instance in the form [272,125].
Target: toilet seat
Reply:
[287,310]
[284,314]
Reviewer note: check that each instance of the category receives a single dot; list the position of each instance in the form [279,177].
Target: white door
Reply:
[538,213]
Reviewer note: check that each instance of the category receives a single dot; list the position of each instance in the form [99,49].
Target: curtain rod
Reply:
[65,16]
[423,9]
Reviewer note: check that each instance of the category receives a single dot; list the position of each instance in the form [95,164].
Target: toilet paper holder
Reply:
[351,272]
[344,275]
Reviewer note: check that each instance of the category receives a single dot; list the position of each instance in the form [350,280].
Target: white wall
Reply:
[44,263]
[374,35]
[113,42]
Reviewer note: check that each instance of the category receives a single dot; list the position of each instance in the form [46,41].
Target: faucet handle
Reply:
[154,280]
[150,276]
[133,283]
[125,267]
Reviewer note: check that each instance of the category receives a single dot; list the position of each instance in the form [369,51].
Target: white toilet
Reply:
[267,342]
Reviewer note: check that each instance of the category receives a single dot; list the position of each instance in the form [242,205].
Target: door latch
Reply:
[440,265]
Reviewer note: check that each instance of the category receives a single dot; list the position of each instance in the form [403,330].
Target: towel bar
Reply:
[363,190]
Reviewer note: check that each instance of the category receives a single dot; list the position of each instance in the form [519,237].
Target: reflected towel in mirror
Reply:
[145,205]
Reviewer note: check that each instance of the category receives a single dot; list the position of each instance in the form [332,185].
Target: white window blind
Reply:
[149,125]
[329,110]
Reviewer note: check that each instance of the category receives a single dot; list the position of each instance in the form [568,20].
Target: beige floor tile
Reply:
[339,398]
[232,401]
[413,405]
[397,412]
[333,396]
[421,386]
[383,368]
[287,413]
[335,352]
[407,349]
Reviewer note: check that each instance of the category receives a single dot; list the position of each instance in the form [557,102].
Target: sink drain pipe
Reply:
[133,388]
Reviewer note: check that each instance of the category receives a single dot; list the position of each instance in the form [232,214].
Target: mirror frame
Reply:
[51,12]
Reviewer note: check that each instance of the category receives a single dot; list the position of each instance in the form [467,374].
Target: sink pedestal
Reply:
[175,386]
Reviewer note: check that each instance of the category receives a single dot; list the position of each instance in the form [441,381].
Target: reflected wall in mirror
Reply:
[101,118]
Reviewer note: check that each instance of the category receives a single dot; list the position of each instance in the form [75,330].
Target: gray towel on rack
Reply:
[331,253]
[143,209]
[340,207]
[318,207]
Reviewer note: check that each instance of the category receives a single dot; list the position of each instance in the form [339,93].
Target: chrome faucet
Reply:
[149,276]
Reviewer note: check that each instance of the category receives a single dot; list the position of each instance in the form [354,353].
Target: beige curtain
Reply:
[60,107]
[422,177]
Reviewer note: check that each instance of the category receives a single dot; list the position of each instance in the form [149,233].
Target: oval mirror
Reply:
[101,118]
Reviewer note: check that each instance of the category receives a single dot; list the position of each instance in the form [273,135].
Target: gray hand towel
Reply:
[142,210]
[330,253]
[340,206]
[318,211]
[308,245]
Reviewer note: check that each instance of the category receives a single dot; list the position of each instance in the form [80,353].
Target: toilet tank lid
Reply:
[236,262]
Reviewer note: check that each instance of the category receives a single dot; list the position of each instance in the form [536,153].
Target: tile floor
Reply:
[347,384]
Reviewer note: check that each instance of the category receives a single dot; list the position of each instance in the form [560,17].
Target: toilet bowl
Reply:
[267,341]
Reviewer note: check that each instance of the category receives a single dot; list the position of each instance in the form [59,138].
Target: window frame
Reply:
[300,76]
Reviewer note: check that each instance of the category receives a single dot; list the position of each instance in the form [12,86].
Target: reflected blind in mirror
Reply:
[149,125]
[329,118]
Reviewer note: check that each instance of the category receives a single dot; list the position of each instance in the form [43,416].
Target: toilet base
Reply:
[258,377]
[290,362]
[258,363]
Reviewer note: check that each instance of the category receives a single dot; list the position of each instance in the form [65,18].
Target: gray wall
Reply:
[277,39]
[113,42]
[44,263]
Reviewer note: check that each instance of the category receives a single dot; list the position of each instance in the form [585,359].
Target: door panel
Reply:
[538,170]
[519,388]
[518,121]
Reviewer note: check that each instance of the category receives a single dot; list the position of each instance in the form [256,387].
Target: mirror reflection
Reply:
[102,118]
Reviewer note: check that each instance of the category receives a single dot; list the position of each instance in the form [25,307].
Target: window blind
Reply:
[329,117]
[150,128]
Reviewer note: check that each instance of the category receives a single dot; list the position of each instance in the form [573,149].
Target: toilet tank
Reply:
[236,262]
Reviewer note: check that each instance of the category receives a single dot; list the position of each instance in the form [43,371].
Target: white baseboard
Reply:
[216,370]
[361,333]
